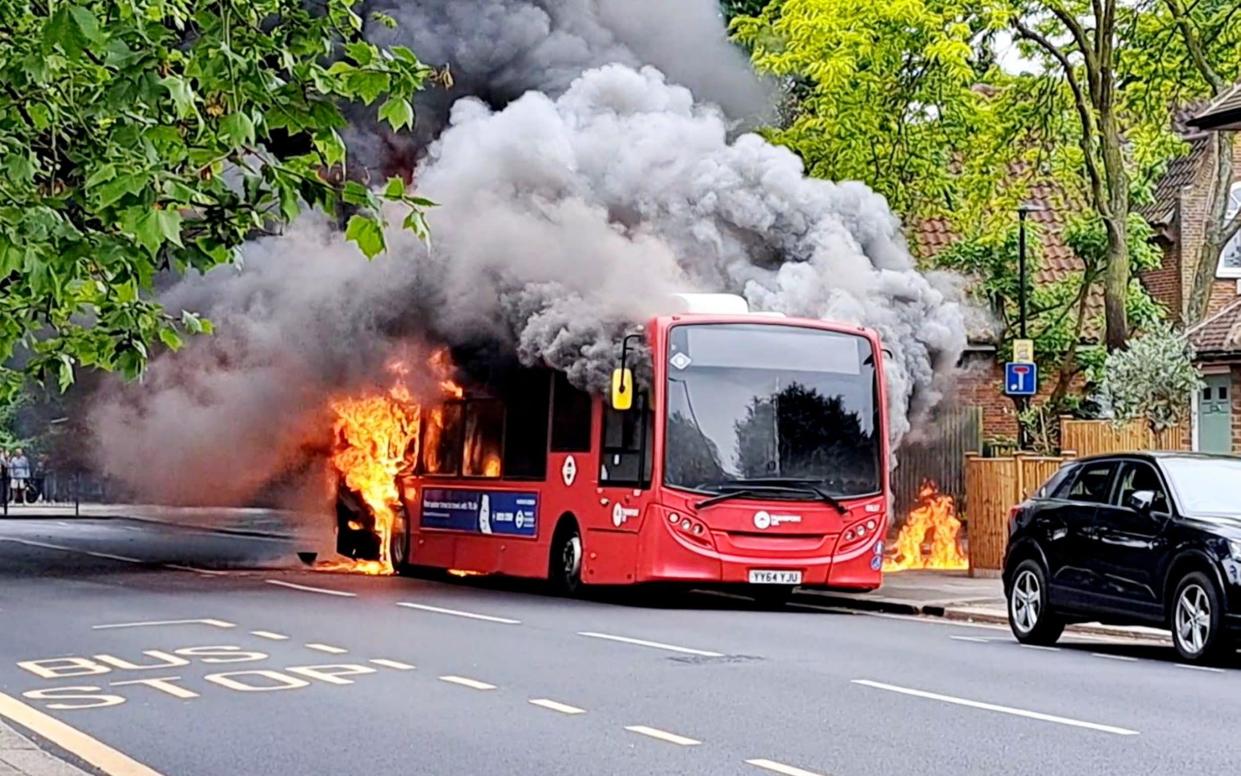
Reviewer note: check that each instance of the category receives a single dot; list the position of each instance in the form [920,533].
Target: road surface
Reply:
[191,653]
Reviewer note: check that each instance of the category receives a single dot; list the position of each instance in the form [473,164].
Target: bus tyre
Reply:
[566,560]
[397,544]
[1029,612]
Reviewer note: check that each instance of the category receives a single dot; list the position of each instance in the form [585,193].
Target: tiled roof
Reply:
[1180,173]
[1053,210]
[1219,334]
[1225,109]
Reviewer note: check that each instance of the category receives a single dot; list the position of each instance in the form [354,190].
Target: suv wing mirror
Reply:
[1141,501]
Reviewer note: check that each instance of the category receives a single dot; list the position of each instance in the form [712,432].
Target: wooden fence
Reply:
[1092,437]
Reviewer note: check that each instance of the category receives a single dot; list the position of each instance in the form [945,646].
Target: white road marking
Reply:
[1106,656]
[651,644]
[63,548]
[973,639]
[997,708]
[310,589]
[458,613]
[1200,668]
[270,635]
[775,767]
[662,735]
[208,572]
[563,708]
[328,648]
[473,684]
[1039,647]
[386,663]
[96,753]
[152,623]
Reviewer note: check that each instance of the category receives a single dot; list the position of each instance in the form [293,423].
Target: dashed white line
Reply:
[459,613]
[563,708]
[328,648]
[473,684]
[651,644]
[1200,668]
[309,589]
[997,708]
[386,663]
[208,572]
[775,767]
[151,623]
[973,639]
[1039,647]
[662,735]
[63,548]
[270,635]
[1106,656]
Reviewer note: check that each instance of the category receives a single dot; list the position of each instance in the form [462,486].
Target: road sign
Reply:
[1023,351]
[1020,379]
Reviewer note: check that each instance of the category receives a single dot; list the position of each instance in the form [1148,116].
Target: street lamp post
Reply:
[1023,402]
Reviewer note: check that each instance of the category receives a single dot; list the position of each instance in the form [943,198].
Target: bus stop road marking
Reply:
[775,767]
[459,613]
[96,753]
[309,589]
[156,623]
[270,635]
[563,708]
[662,735]
[328,648]
[394,664]
[1119,731]
[473,684]
[651,644]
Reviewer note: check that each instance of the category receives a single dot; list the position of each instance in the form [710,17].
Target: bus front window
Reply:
[771,404]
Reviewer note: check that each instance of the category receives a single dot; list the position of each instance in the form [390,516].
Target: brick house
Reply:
[1178,215]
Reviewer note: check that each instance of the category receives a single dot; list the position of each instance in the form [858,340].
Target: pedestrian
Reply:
[19,474]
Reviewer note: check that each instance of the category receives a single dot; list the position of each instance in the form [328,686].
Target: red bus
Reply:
[757,456]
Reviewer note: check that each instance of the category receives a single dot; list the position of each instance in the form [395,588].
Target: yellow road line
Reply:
[72,740]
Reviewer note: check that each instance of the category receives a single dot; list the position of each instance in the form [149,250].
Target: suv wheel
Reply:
[1029,615]
[1197,619]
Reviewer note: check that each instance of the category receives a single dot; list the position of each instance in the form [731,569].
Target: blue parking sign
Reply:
[1020,379]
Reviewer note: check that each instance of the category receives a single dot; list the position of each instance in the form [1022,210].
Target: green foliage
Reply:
[141,136]
[1152,379]
[8,422]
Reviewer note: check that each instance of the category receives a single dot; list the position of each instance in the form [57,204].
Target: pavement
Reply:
[151,649]
[19,756]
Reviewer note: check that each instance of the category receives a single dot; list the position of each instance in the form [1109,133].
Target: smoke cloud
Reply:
[577,192]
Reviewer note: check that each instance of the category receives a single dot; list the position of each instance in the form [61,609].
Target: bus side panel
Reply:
[609,557]
[432,549]
[660,558]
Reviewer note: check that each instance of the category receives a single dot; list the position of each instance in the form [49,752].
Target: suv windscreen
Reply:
[1206,485]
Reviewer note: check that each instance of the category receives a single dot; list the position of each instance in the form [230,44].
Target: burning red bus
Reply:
[756,456]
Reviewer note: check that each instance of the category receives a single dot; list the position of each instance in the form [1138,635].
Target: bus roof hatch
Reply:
[720,304]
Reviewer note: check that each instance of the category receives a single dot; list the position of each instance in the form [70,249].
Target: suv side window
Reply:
[1140,476]
[1094,483]
[1058,486]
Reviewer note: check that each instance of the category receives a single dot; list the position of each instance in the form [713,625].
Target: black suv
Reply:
[1141,538]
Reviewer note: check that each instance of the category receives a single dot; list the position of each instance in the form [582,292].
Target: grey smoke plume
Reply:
[563,219]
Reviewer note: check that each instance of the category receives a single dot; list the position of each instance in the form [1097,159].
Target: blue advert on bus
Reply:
[503,512]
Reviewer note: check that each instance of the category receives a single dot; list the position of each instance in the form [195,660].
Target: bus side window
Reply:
[441,439]
[525,425]
[484,438]
[570,417]
[627,442]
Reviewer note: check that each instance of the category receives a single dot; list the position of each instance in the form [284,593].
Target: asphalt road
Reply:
[263,667]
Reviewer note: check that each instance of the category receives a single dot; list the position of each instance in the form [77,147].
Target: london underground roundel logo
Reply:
[762,520]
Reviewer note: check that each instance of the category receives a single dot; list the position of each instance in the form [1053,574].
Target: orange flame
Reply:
[376,439]
[929,538]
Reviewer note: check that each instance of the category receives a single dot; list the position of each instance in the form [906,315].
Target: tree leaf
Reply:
[87,24]
[398,112]
[169,337]
[239,129]
[367,233]
[170,225]
[148,231]
[182,95]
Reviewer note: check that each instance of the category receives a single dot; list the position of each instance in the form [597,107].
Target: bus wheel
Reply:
[566,560]
[397,543]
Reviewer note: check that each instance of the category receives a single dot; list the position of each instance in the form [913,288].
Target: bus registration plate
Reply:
[758,577]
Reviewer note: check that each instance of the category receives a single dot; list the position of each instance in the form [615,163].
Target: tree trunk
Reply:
[1213,235]
[1116,285]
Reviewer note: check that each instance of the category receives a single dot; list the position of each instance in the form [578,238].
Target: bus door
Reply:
[625,463]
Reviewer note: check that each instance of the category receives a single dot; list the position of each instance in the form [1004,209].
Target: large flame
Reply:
[376,438]
[929,538]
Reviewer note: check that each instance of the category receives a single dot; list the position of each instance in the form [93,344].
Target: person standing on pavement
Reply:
[19,474]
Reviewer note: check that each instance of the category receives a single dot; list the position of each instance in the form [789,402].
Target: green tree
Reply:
[1151,380]
[908,96]
[141,136]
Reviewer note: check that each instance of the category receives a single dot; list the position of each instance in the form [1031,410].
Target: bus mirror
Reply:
[622,389]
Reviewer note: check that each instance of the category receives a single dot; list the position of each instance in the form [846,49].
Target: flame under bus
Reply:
[757,456]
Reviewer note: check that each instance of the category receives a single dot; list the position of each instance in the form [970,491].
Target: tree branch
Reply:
[1194,45]
[1090,53]
[1083,113]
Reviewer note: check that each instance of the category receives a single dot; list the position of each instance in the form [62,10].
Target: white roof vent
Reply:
[719,304]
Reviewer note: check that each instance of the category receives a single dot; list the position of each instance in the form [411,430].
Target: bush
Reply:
[1152,380]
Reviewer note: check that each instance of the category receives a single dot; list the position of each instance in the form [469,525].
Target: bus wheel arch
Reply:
[566,555]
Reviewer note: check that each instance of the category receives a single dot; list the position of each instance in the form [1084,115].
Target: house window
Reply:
[1230,256]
